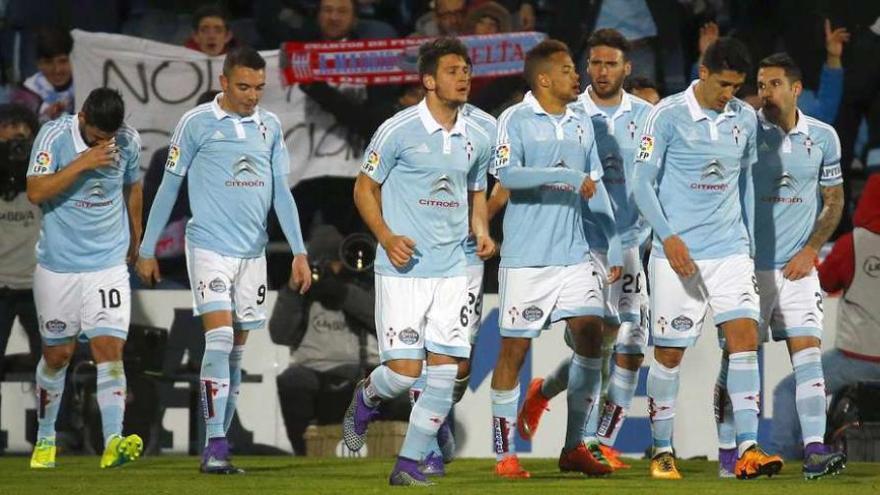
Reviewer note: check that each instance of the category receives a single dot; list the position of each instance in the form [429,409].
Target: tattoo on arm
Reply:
[829,217]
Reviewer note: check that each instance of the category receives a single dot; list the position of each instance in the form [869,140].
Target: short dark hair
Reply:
[432,51]
[104,109]
[784,62]
[727,53]
[207,96]
[640,82]
[16,113]
[609,37]
[52,42]
[539,54]
[209,10]
[243,56]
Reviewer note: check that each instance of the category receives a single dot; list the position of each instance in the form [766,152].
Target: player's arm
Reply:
[479,216]
[497,200]
[379,159]
[600,206]
[134,200]
[747,185]
[45,181]
[648,162]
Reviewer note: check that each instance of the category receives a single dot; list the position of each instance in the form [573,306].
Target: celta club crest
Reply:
[263,130]
[469,149]
[736,133]
[808,144]
[631,128]
[580,134]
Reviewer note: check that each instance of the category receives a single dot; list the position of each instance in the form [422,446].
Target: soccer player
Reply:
[698,147]
[422,182]
[84,174]
[798,160]
[617,118]
[442,449]
[546,157]
[234,153]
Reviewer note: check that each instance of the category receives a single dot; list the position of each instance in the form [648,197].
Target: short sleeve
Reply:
[183,146]
[654,138]
[280,154]
[132,157]
[380,157]
[477,174]
[44,158]
[508,143]
[750,153]
[831,174]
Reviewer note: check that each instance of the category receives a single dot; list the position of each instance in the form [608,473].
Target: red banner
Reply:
[394,61]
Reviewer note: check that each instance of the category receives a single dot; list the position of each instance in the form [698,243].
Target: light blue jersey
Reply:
[426,173]
[543,226]
[85,228]
[487,122]
[232,163]
[617,136]
[700,163]
[791,167]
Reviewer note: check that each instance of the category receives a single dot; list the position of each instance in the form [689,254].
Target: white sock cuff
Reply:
[399,382]
[658,370]
[442,375]
[806,356]
[587,362]
[505,396]
[219,339]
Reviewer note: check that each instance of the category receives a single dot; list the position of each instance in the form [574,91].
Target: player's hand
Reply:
[148,271]
[485,247]
[834,40]
[614,274]
[132,256]
[588,188]
[400,250]
[100,155]
[300,274]
[709,33]
[801,264]
[679,256]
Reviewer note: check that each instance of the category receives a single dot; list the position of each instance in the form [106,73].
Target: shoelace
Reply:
[666,462]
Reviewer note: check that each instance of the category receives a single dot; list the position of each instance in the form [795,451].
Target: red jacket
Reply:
[836,272]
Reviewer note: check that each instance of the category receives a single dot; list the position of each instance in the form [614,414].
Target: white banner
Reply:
[160,82]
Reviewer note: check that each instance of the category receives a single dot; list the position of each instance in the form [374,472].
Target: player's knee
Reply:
[57,357]
[105,349]
[669,357]
[464,369]
[513,350]
[631,362]
[410,368]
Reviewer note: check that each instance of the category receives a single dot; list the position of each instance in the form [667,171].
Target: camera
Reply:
[14,156]
[357,252]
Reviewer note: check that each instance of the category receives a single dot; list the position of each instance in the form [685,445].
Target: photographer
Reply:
[331,334]
[20,221]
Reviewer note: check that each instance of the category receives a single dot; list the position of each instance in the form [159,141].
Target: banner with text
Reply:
[393,61]
[160,82]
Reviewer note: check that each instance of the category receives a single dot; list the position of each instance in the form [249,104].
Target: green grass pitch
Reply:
[176,475]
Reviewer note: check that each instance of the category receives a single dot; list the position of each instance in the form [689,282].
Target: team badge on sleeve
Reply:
[646,148]
[173,156]
[371,163]
[502,154]
[42,162]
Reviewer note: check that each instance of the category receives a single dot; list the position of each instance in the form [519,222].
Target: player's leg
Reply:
[400,334]
[58,297]
[733,294]
[801,326]
[446,343]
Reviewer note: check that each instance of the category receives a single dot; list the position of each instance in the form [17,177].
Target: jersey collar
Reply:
[539,110]
[592,109]
[221,114]
[696,111]
[800,128]
[431,124]
[79,145]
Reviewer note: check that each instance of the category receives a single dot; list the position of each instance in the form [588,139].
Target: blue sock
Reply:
[50,388]
[386,384]
[504,406]
[214,378]
[557,380]
[743,386]
[414,393]
[429,411]
[810,394]
[111,397]
[621,388]
[724,409]
[662,392]
[584,387]
[234,385]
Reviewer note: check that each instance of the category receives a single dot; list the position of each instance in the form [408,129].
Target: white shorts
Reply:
[626,301]
[534,297]
[226,283]
[790,308]
[96,303]
[414,314]
[679,306]
[474,301]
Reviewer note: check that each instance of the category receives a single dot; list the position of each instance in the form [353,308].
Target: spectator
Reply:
[331,333]
[488,18]
[49,92]
[21,229]
[335,20]
[445,19]
[853,266]
[211,33]
[644,88]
